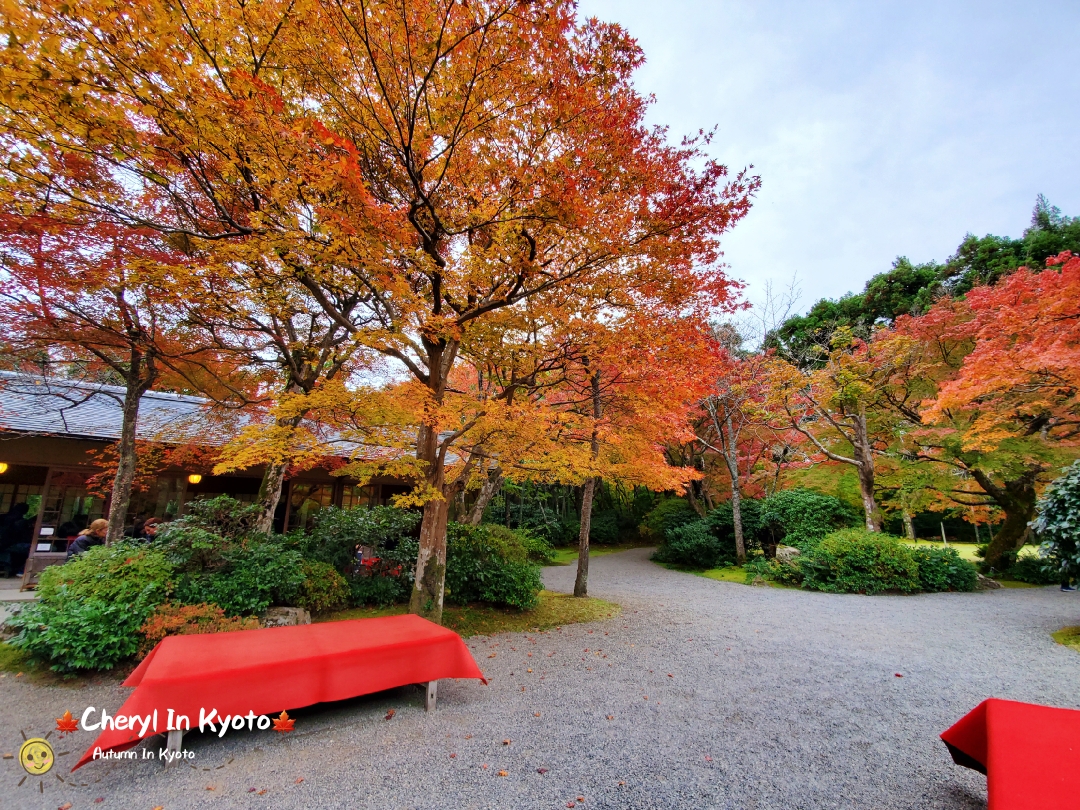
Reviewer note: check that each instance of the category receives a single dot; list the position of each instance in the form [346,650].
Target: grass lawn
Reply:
[1069,636]
[554,610]
[568,554]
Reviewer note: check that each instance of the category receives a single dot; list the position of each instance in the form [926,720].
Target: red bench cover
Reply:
[1029,753]
[265,671]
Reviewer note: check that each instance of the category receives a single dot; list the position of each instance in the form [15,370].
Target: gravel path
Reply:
[701,694]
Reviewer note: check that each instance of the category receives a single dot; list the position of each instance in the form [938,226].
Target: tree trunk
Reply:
[865,455]
[1017,499]
[120,498]
[909,526]
[732,459]
[694,504]
[488,490]
[269,495]
[581,582]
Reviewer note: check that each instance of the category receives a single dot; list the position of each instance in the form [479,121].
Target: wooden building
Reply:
[51,435]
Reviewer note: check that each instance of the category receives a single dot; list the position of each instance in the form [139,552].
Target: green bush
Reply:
[943,569]
[721,521]
[377,589]
[323,588]
[337,532]
[199,541]
[515,541]
[604,528]
[772,569]
[1057,524]
[858,561]
[802,517]
[696,546]
[485,567]
[666,516]
[71,634]
[1034,571]
[253,578]
[90,609]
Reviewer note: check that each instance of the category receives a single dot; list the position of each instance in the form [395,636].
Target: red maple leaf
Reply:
[283,722]
[67,724]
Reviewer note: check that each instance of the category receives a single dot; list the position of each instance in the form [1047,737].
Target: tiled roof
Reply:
[52,406]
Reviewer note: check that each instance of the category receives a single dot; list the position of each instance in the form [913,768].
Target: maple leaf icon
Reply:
[283,722]
[67,724]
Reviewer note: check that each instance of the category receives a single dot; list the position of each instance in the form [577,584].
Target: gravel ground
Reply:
[701,694]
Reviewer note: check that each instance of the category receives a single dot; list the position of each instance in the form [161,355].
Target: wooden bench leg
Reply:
[173,745]
[429,695]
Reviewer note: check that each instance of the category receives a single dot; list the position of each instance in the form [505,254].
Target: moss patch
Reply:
[568,554]
[554,610]
[1069,636]
[731,573]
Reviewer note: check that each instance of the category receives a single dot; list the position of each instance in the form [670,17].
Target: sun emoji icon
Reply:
[37,758]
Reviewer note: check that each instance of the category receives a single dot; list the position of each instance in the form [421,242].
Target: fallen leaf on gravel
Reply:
[100,799]
[536,714]
[468,736]
[453,756]
[670,675]
[569,804]
[299,780]
[211,787]
[159,807]
[251,790]
[506,742]
[9,756]
[64,806]
[611,717]
[898,675]
[581,798]
[622,783]
[504,773]
[492,655]
[646,697]
[389,715]
[528,670]
[484,766]
[708,758]
[261,792]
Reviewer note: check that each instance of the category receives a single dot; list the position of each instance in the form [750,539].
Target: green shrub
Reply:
[721,521]
[802,517]
[772,569]
[125,572]
[604,528]
[858,561]
[1057,524]
[253,578]
[521,544]
[667,515]
[943,569]
[337,532]
[90,609]
[1034,571]
[323,588]
[484,567]
[198,542]
[379,590]
[71,634]
[696,546]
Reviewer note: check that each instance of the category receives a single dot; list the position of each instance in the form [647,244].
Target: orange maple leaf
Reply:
[67,724]
[283,722]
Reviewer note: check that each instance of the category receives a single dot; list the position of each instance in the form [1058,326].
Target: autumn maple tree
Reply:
[990,387]
[426,178]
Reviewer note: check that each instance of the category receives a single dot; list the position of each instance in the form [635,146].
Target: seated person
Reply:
[89,537]
[16,532]
[149,529]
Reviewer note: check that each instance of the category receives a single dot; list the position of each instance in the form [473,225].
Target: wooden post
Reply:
[429,695]
[943,540]
[174,744]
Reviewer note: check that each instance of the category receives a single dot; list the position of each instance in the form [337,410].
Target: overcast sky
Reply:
[878,128]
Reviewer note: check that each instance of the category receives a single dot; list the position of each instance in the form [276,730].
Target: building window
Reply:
[306,501]
[354,496]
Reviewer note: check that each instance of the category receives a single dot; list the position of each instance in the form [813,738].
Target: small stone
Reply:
[985,583]
[785,554]
[285,617]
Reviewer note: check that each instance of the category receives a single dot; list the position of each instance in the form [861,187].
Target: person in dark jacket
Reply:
[93,535]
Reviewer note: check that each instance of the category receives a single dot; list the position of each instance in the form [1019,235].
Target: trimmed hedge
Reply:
[858,561]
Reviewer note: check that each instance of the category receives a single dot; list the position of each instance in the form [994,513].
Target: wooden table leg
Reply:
[429,695]
[173,745]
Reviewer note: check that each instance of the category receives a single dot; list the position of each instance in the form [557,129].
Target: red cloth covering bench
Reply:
[1029,753]
[265,671]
